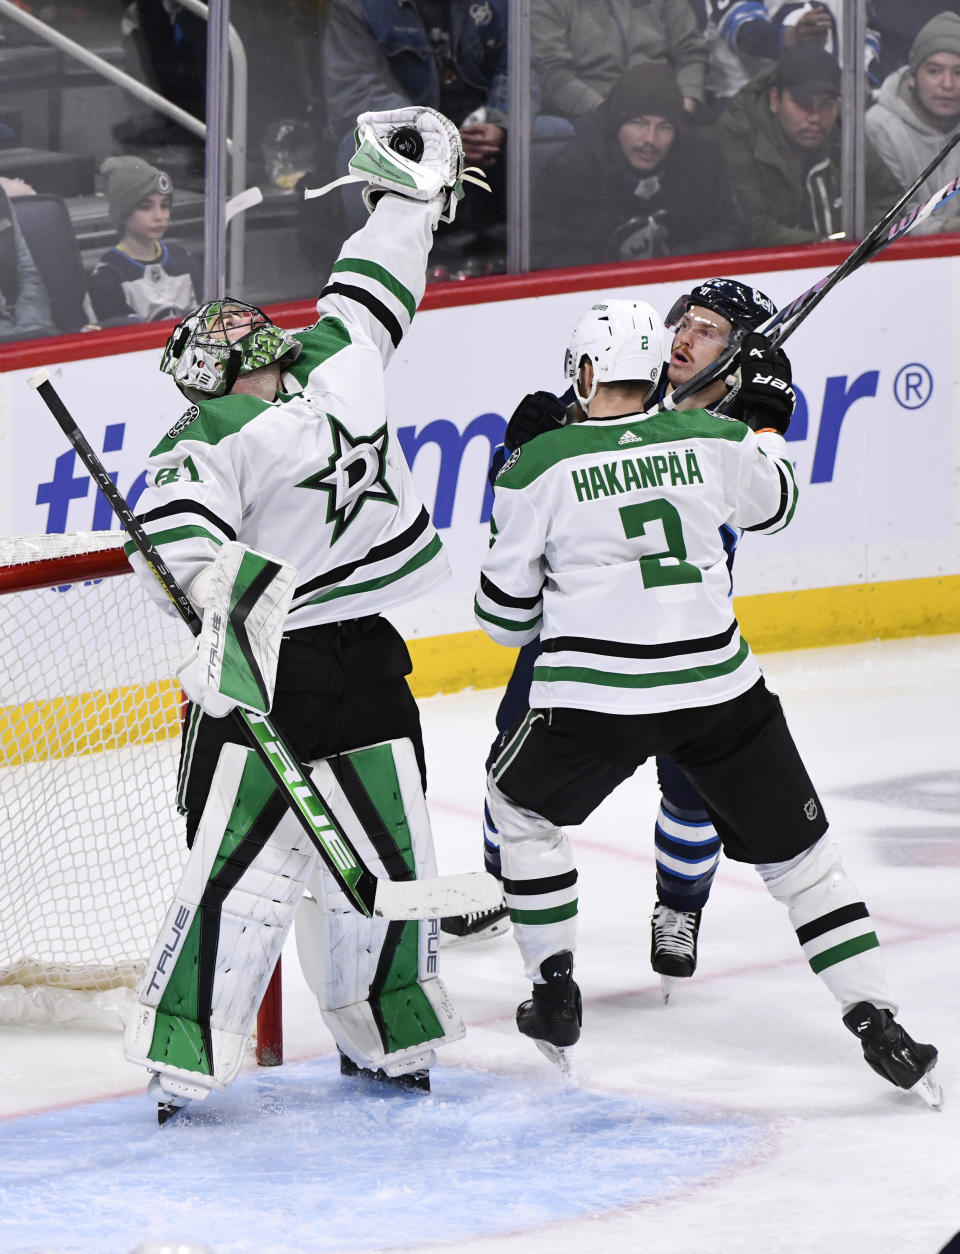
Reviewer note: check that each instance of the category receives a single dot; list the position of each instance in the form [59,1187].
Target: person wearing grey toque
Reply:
[142,278]
[918,109]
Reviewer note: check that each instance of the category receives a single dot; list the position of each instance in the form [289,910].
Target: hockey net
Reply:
[92,843]
[90,714]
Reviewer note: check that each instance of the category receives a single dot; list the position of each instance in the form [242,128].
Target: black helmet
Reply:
[744,307]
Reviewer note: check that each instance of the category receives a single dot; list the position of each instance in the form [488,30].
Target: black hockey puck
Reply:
[408,142]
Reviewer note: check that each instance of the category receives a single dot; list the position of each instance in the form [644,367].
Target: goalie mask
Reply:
[220,341]
[623,340]
[746,308]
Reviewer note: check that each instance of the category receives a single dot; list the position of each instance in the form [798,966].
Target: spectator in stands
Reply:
[171,47]
[746,35]
[917,111]
[448,54]
[24,303]
[636,182]
[897,25]
[780,139]
[142,278]
[581,48]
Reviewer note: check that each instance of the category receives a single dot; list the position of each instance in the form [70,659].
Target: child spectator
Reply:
[142,278]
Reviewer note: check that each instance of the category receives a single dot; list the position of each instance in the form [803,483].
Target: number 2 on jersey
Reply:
[654,569]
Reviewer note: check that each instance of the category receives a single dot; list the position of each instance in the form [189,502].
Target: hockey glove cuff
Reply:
[246,599]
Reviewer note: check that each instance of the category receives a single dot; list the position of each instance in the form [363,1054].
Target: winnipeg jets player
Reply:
[605,542]
[286,510]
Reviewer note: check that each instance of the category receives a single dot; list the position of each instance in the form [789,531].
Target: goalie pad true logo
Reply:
[180,921]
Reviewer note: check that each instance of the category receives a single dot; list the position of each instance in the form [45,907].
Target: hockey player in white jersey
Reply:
[705,321]
[605,540]
[285,508]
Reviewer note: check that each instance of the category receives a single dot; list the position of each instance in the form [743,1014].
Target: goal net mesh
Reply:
[91,841]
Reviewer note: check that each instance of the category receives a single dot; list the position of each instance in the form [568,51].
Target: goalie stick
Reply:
[783,323]
[366,892]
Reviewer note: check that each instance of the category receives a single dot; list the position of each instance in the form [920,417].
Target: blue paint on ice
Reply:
[300,1159]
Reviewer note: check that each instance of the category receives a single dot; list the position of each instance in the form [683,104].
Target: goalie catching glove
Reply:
[765,399]
[244,596]
[415,152]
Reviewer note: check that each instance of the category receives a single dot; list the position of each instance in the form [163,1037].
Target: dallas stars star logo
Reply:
[355,473]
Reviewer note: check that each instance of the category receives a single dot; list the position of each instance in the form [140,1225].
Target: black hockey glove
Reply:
[537,412]
[765,397]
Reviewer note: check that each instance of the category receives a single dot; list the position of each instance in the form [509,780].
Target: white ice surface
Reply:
[741,1119]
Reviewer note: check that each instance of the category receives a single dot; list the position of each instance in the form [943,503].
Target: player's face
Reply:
[937,84]
[233,322]
[806,119]
[645,141]
[699,338]
[150,219]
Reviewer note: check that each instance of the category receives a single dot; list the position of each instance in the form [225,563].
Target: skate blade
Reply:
[558,1056]
[167,1110]
[667,984]
[449,939]
[930,1089]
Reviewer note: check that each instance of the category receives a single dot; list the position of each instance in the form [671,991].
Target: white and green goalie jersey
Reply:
[314,477]
[605,541]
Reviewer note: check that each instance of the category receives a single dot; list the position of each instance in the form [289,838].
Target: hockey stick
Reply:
[783,323]
[368,894]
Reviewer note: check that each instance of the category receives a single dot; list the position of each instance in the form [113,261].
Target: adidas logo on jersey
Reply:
[630,437]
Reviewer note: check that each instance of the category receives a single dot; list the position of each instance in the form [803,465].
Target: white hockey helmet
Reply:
[623,340]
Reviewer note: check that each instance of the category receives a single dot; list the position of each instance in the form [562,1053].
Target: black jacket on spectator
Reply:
[591,206]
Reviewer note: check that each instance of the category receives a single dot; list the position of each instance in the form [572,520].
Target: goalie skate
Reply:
[476,926]
[419,1078]
[893,1054]
[171,1096]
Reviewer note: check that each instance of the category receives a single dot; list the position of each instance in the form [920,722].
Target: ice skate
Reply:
[893,1054]
[168,1104]
[553,1016]
[476,926]
[417,1079]
[673,944]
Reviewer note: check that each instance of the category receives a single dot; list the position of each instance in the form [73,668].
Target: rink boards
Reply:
[873,550]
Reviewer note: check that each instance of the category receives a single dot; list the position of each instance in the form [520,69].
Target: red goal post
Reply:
[93,846]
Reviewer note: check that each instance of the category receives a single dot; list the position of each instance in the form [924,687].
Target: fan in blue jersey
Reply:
[606,544]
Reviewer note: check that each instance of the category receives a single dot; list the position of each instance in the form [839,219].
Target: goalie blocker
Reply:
[376,980]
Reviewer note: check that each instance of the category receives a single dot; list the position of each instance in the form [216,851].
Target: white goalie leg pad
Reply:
[377,982]
[245,597]
[832,924]
[222,936]
[539,880]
